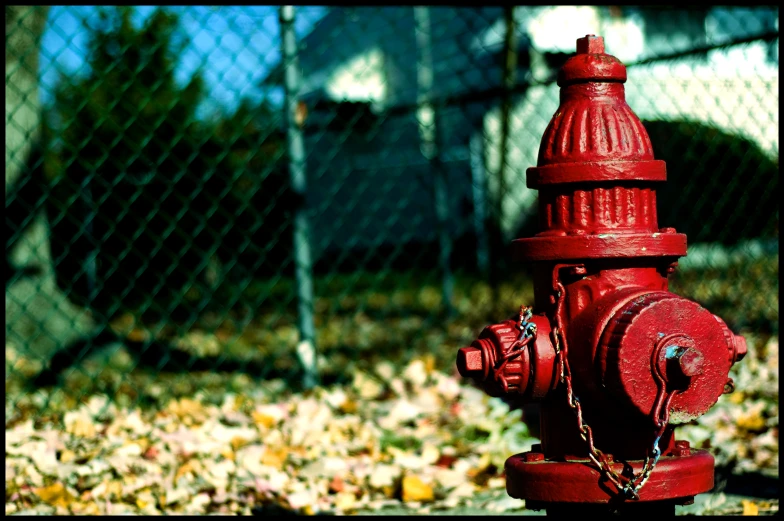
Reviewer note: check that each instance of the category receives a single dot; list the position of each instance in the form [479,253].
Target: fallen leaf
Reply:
[67,456]
[345,501]
[414,489]
[237,442]
[366,386]
[752,420]
[302,499]
[430,454]
[79,423]
[268,415]
[416,373]
[151,453]
[750,508]
[55,495]
[274,457]
[192,466]
[188,411]
[336,485]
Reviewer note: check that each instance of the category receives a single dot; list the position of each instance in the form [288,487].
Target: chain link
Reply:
[628,486]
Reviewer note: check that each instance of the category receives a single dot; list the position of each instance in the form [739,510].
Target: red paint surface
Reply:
[578,482]
[626,333]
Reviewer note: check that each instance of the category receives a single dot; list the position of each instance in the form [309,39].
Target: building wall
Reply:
[376,188]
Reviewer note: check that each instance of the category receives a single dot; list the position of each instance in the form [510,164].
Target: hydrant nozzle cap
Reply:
[469,362]
[591,63]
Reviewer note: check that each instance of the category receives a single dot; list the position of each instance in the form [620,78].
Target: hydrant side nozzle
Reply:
[503,366]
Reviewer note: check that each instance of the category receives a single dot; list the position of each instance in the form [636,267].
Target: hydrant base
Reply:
[580,482]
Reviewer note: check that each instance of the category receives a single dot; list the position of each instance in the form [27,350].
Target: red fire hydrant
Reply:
[616,360]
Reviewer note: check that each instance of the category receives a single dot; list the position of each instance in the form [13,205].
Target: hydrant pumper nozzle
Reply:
[613,357]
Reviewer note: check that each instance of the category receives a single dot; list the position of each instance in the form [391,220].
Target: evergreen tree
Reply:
[139,184]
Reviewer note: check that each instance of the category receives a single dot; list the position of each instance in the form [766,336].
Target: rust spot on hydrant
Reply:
[615,359]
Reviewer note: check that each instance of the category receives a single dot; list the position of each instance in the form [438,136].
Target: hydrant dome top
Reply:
[593,122]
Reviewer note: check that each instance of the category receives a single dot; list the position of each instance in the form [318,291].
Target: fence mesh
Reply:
[200,198]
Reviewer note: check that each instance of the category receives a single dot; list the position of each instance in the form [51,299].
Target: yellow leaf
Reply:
[348,407]
[143,443]
[752,420]
[345,501]
[67,456]
[750,508]
[188,411]
[274,458]
[80,425]
[55,495]
[141,503]
[430,363]
[366,386]
[91,509]
[415,490]
[259,418]
[227,453]
[237,442]
[192,466]
[114,488]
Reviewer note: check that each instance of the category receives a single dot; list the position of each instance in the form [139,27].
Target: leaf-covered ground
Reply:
[393,427]
[415,436]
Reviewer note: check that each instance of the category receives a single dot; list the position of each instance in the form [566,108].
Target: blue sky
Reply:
[235,47]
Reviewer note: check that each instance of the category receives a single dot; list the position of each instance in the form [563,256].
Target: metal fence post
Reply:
[432,145]
[479,194]
[306,349]
[509,79]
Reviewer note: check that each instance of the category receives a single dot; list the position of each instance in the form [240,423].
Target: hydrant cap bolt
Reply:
[469,361]
[690,361]
[591,63]
[591,44]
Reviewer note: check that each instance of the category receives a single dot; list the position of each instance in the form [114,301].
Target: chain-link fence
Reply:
[199,197]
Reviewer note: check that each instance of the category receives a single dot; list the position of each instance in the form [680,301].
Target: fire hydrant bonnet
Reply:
[596,171]
[595,136]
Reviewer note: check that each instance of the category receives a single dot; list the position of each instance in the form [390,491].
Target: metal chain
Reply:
[628,486]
